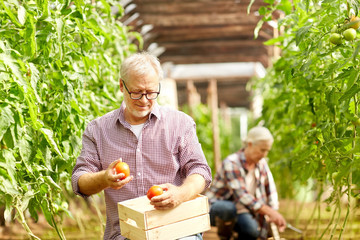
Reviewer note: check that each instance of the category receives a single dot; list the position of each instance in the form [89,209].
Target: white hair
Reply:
[140,64]
[257,134]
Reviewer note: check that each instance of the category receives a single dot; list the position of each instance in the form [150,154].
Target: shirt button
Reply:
[139,174]
[138,149]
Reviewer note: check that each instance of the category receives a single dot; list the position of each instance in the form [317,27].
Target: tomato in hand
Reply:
[154,191]
[122,167]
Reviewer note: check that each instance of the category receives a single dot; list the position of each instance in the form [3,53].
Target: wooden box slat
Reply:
[167,232]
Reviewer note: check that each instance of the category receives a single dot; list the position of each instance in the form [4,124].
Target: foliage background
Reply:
[311,101]
[59,63]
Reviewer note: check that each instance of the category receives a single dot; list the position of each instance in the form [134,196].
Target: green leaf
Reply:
[33,209]
[59,31]
[350,93]
[355,54]
[34,72]
[25,150]
[26,198]
[33,111]
[10,165]
[47,211]
[274,40]
[257,28]
[51,182]
[7,187]
[11,63]
[48,134]
[6,119]
[45,9]
[22,15]
[11,14]
[301,33]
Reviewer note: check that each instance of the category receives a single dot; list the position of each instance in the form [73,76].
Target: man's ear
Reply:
[121,85]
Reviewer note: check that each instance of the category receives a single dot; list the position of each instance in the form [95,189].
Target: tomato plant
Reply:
[311,81]
[122,167]
[59,68]
[154,191]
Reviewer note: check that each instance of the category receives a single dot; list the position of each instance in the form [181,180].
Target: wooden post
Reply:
[193,97]
[213,103]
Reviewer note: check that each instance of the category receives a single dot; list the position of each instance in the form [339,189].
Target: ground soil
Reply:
[88,219]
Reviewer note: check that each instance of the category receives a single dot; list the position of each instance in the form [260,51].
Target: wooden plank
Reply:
[127,211]
[191,48]
[185,210]
[214,58]
[194,7]
[171,231]
[226,31]
[199,19]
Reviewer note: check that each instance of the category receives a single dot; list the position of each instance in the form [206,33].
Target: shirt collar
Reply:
[154,112]
[243,159]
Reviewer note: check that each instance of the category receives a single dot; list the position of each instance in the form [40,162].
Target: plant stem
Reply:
[330,222]
[349,182]
[316,207]
[339,213]
[24,224]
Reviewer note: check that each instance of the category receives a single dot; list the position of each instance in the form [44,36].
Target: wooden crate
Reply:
[139,220]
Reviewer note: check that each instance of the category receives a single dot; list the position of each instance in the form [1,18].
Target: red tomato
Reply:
[122,167]
[154,191]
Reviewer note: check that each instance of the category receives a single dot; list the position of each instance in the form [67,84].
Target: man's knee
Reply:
[225,210]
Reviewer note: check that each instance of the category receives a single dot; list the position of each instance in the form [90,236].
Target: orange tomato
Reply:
[356,21]
[154,191]
[122,167]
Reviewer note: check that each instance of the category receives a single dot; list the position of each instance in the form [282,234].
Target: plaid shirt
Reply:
[229,184]
[167,151]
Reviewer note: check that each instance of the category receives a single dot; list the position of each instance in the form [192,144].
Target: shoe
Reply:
[224,228]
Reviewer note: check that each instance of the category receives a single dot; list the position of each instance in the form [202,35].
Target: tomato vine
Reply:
[311,97]
[59,63]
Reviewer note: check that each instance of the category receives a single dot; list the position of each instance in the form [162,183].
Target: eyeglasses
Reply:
[139,95]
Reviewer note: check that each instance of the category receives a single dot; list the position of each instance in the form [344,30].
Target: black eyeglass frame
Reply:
[142,94]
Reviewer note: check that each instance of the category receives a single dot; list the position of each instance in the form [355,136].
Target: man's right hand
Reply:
[113,179]
[92,183]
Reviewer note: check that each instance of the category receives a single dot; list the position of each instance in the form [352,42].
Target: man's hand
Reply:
[112,179]
[170,198]
[174,195]
[92,183]
[274,216]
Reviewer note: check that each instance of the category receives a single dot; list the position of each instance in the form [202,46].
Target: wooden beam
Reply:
[215,45]
[214,58]
[173,7]
[191,33]
[200,19]
[232,80]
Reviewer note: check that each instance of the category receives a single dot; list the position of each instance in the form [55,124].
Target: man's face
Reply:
[137,111]
[259,150]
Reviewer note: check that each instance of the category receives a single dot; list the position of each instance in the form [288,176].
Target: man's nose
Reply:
[143,98]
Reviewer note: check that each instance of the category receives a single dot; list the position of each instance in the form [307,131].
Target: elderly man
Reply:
[159,144]
[243,191]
